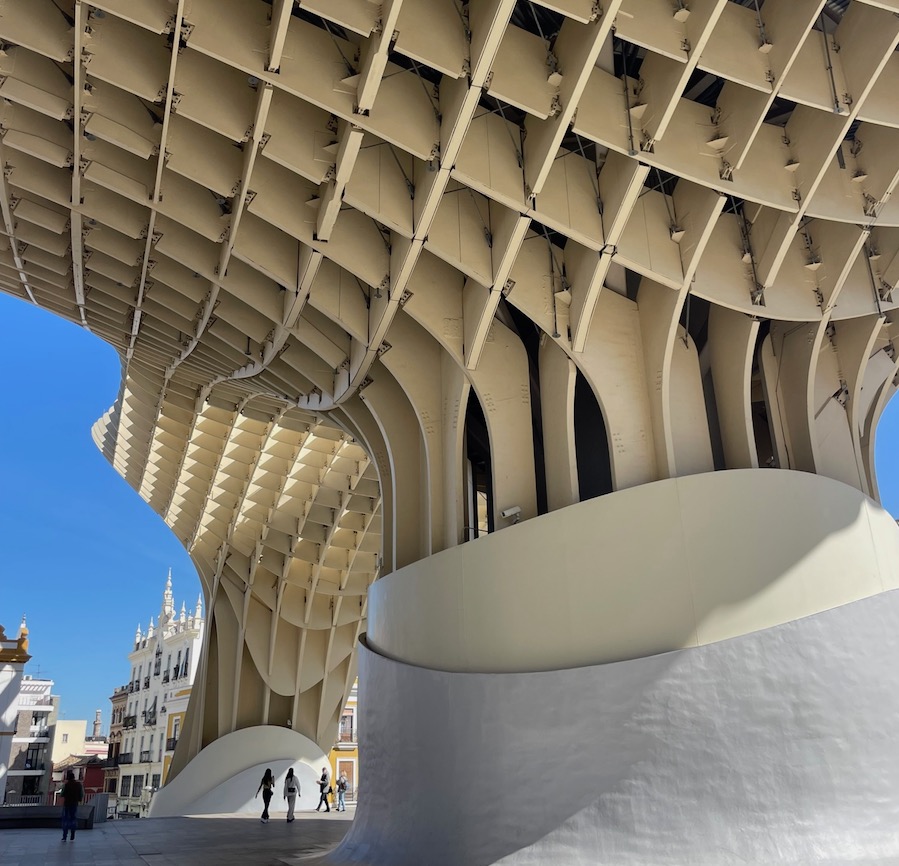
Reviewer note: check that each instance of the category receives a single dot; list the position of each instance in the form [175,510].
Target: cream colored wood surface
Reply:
[314,231]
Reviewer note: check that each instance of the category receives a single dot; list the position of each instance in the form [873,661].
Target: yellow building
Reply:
[177,707]
[344,755]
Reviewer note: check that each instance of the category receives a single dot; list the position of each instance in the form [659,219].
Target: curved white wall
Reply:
[777,747]
[673,564]
[225,776]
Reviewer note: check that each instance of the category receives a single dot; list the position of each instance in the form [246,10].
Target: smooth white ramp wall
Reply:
[673,564]
[777,747]
[225,776]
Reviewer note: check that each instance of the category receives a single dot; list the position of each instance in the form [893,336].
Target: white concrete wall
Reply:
[678,563]
[225,776]
[777,747]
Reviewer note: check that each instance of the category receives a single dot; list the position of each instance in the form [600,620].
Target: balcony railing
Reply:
[170,744]
[346,737]
[129,722]
[145,756]
[147,682]
[166,676]
[150,718]
[125,758]
[130,688]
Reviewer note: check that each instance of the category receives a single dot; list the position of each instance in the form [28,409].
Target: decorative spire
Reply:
[168,605]
[98,726]
[151,628]
[199,614]
[137,634]
[183,612]
[22,640]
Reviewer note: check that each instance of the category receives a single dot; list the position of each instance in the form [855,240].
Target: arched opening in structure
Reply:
[761,411]
[591,442]
[478,469]
[694,319]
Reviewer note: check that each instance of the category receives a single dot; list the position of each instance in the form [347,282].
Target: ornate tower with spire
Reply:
[167,612]
[163,663]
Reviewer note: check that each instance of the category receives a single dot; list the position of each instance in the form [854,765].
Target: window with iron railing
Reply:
[346,733]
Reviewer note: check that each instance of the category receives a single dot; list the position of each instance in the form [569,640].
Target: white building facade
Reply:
[163,666]
[30,762]
[13,656]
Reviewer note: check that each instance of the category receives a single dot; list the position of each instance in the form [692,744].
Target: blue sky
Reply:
[84,556]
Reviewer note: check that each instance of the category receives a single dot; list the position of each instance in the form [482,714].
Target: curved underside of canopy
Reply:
[317,233]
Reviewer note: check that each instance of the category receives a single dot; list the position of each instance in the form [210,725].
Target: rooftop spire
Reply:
[22,639]
[168,605]
[199,613]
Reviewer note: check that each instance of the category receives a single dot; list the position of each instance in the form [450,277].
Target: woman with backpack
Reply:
[342,785]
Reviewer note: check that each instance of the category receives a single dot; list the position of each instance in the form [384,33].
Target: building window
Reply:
[346,727]
[157,778]
[110,786]
[32,757]
[126,786]
[137,786]
[65,738]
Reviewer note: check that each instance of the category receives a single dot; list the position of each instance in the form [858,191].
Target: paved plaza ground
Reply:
[223,840]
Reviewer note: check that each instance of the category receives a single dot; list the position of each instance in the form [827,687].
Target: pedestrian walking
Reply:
[267,786]
[342,785]
[72,795]
[324,787]
[291,791]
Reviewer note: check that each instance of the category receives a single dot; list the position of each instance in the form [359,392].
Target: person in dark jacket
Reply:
[324,787]
[72,795]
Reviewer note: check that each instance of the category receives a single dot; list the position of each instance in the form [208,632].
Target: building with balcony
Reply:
[13,657]
[344,756]
[30,764]
[119,704]
[148,711]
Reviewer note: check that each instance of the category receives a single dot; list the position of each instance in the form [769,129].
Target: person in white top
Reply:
[291,791]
